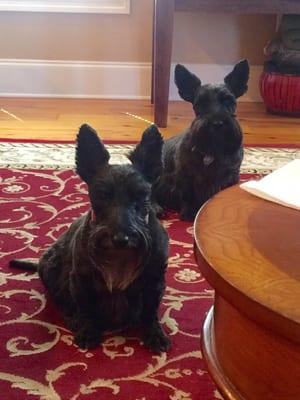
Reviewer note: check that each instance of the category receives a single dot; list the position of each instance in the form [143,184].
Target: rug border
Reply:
[274,145]
[109,141]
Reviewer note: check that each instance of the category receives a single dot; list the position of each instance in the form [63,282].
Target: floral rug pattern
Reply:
[38,357]
[61,156]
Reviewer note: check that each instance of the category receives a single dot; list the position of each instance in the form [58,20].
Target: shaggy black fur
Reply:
[107,270]
[206,158]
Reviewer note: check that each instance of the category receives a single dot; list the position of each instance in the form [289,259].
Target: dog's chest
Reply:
[114,309]
[196,162]
[119,268]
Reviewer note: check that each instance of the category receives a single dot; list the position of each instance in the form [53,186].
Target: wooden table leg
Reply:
[162,51]
[247,361]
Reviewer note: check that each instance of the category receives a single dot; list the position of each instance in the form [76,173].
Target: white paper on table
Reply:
[281,186]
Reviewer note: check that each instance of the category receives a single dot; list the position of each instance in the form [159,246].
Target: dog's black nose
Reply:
[120,240]
[217,122]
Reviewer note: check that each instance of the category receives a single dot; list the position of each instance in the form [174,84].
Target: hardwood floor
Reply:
[59,119]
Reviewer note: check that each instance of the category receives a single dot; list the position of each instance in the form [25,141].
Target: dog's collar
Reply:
[93,215]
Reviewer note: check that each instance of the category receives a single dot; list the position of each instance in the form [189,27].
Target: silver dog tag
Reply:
[207,160]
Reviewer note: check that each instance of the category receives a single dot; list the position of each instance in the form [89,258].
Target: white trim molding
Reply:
[93,79]
[78,79]
[68,6]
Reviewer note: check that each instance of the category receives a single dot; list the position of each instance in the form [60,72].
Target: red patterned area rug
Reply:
[38,357]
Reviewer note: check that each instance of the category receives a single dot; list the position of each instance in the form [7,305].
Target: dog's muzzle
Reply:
[218,121]
[219,134]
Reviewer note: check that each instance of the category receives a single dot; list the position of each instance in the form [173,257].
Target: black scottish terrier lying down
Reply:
[206,158]
[107,270]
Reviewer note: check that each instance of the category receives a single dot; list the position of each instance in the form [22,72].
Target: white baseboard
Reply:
[106,80]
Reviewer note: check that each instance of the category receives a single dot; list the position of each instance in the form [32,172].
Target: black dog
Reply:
[206,158]
[107,271]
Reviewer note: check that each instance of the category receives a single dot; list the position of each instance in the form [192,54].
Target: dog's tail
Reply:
[26,264]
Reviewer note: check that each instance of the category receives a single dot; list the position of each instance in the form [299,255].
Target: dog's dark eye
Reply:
[142,206]
[141,194]
[231,108]
[203,98]
[201,102]
[228,102]
[104,196]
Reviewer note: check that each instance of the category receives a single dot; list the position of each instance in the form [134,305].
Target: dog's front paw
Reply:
[187,214]
[156,340]
[87,339]
[72,323]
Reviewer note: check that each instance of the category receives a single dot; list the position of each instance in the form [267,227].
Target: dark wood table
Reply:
[248,249]
[163,36]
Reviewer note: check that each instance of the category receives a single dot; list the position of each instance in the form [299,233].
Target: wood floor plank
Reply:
[59,119]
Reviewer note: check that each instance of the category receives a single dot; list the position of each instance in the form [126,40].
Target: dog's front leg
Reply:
[188,206]
[88,336]
[86,321]
[154,336]
[205,192]
[188,210]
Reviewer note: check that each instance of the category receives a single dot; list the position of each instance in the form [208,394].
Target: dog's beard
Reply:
[216,141]
[119,267]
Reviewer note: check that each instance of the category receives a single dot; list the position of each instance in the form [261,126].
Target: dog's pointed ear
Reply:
[237,79]
[147,155]
[91,154]
[186,82]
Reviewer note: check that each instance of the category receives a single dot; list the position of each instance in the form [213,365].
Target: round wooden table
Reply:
[248,249]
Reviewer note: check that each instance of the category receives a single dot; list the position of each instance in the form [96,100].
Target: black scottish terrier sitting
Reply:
[106,271]
[206,158]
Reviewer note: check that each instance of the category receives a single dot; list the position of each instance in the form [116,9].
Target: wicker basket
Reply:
[281,93]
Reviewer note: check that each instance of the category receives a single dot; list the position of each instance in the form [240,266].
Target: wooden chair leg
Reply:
[153,57]
[163,37]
